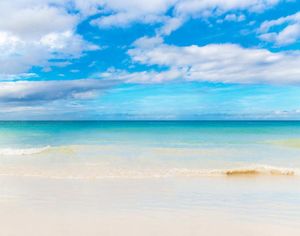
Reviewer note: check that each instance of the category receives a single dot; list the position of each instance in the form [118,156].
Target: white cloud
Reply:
[234,17]
[85,7]
[27,92]
[122,13]
[145,77]
[196,7]
[171,24]
[67,44]
[22,76]
[287,34]
[18,55]
[226,63]
[33,32]
[34,21]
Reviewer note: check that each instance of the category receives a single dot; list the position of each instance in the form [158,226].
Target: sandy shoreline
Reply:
[176,206]
[31,222]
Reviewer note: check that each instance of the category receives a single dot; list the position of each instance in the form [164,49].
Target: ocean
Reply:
[99,177]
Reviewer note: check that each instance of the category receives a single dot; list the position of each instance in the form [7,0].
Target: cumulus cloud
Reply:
[225,63]
[18,55]
[33,32]
[172,13]
[31,20]
[124,12]
[288,33]
[25,92]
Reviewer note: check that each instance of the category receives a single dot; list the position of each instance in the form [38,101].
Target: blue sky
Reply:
[159,59]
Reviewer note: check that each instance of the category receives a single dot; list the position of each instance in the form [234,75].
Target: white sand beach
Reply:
[170,206]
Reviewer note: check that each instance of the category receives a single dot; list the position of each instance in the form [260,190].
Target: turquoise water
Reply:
[151,148]
[241,173]
[167,133]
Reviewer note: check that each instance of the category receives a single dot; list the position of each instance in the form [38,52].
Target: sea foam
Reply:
[22,151]
[81,172]
[254,170]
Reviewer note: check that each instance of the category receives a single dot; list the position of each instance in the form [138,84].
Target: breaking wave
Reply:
[98,168]
[115,173]
[257,170]
[23,151]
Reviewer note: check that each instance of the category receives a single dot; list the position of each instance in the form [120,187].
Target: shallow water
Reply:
[137,178]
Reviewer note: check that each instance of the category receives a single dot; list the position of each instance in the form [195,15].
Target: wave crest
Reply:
[260,170]
[115,173]
[242,171]
[22,152]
